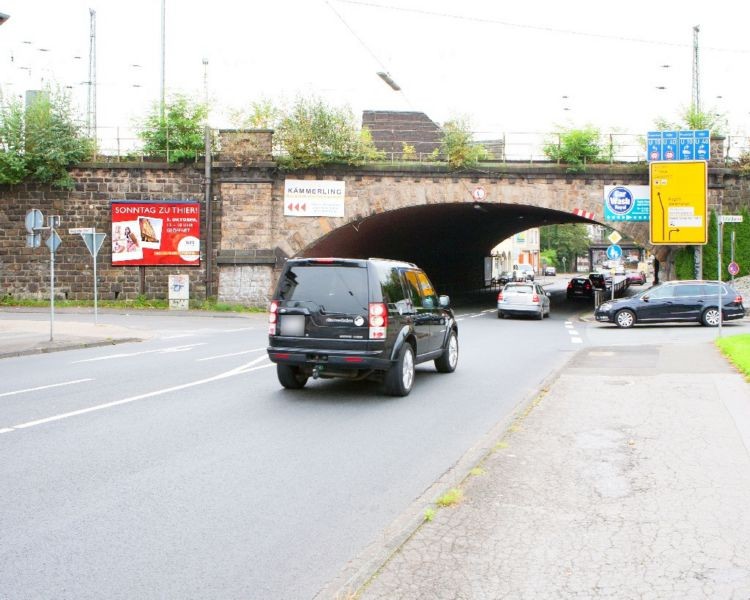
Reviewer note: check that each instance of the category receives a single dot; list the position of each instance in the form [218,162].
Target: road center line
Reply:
[230,354]
[45,387]
[246,368]
[127,354]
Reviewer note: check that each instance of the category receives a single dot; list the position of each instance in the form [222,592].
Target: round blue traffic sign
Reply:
[614,252]
[620,200]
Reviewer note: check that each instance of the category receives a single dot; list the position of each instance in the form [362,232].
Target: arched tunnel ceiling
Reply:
[449,241]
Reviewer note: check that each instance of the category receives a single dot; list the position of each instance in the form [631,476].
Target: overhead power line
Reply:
[491,21]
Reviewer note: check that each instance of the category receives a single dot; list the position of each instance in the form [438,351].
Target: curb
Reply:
[361,569]
[70,346]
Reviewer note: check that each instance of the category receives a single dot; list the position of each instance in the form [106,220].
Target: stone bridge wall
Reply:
[251,236]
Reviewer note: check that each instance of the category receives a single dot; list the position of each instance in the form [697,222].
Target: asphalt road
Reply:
[179,468]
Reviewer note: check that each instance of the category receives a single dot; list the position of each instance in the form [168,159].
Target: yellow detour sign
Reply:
[678,202]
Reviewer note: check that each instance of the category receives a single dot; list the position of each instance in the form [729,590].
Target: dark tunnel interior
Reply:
[449,241]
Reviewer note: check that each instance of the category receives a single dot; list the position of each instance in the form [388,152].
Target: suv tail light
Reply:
[738,299]
[378,318]
[500,297]
[273,317]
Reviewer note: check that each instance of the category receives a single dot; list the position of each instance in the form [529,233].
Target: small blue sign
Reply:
[653,149]
[702,144]
[614,252]
[679,145]
[627,202]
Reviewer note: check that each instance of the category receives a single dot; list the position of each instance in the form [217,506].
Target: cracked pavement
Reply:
[633,485]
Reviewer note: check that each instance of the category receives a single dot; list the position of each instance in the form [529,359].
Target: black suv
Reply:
[358,319]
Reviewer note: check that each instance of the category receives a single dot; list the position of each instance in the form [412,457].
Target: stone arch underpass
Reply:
[425,215]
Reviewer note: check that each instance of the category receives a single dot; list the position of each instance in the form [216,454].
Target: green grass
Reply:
[451,497]
[140,302]
[737,349]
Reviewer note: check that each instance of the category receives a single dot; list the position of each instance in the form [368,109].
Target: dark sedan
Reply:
[673,302]
[580,287]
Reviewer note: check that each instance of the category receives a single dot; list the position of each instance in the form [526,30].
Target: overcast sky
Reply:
[507,66]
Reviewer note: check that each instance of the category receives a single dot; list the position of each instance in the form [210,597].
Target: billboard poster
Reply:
[155,233]
[627,202]
[314,198]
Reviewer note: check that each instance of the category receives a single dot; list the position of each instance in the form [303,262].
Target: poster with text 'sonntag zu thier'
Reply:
[155,233]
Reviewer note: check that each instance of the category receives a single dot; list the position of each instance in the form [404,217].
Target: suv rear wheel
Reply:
[290,377]
[449,359]
[399,379]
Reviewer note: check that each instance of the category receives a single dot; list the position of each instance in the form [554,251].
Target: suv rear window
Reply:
[328,288]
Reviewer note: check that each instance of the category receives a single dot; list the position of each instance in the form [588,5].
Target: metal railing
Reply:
[123,144]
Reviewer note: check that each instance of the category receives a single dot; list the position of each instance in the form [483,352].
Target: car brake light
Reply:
[587,285]
[535,298]
[570,285]
[500,297]
[272,317]
[738,300]
[378,317]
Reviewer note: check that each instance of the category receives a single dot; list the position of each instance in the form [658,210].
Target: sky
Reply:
[523,66]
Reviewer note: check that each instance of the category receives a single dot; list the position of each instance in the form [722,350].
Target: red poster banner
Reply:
[156,233]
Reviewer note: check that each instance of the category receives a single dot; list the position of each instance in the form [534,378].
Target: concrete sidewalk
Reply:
[631,485]
[21,336]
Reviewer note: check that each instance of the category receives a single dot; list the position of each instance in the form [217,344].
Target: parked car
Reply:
[675,301]
[636,277]
[358,319]
[504,278]
[523,272]
[580,287]
[523,299]
[549,271]
[600,280]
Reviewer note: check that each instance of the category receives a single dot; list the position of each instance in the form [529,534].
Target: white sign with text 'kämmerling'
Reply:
[313,198]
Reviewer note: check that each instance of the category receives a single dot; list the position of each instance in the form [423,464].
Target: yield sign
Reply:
[93,242]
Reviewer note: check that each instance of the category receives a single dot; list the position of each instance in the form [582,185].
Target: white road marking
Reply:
[45,387]
[127,354]
[576,340]
[230,354]
[246,368]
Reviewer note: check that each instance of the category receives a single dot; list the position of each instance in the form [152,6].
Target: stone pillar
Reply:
[245,147]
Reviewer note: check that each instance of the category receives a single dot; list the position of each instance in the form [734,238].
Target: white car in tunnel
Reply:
[528,298]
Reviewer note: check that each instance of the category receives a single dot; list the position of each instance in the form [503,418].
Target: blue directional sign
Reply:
[678,145]
[614,252]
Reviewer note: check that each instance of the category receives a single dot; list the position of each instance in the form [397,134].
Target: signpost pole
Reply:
[52,284]
[719,231]
[96,292]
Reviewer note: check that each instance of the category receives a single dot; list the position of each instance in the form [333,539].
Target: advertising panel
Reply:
[312,198]
[626,203]
[155,233]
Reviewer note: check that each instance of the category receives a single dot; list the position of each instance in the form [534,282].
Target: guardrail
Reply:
[616,288]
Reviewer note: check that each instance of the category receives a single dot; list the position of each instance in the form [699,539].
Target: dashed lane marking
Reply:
[45,387]
[246,368]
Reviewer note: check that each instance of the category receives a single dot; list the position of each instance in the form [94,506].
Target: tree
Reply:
[568,240]
[458,147]
[179,134]
[314,134]
[692,118]
[262,114]
[576,148]
[41,141]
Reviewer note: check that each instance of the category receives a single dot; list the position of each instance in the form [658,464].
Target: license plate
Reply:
[292,325]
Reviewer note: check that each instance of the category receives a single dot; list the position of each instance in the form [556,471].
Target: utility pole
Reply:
[162,100]
[695,108]
[91,108]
